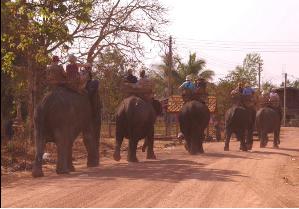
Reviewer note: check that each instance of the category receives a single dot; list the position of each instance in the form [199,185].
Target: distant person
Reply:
[146,86]
[55,73]
[130,77]
[73,76]
[248,90]
[188,84]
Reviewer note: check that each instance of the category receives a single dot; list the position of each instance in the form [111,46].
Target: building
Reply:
[292,104]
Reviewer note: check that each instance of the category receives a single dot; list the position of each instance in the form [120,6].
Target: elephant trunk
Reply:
[39,143]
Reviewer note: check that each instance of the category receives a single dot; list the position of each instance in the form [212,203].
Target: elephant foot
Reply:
[275,146]
[37,172]
[143,148]
[186,147]
[72,168]
[62,171]
[244,148]
[249,147]
[151,156]
[133,160]
[201,151]
[92,164]
[116,156]
[226,148]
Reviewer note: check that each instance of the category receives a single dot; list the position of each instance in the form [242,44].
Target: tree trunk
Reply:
[32,98]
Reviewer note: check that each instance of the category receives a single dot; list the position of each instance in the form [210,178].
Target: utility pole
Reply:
[259,77]
[170,66]
[284,99]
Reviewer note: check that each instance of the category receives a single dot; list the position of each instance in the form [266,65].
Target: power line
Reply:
[275,43]
[242,49]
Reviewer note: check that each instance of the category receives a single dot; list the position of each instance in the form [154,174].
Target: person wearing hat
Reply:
[188,84]
[55,73]
[248,91]
[73,75]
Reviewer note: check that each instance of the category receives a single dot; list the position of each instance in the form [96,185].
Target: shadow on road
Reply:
[226,155]
[171,170]
[271,153]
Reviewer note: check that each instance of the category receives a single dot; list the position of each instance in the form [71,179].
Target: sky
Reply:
[224,31]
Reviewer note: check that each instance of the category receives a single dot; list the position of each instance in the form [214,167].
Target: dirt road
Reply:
[261,178]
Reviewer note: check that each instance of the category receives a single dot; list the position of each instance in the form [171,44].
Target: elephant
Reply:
[250,127]
[135,119]
[194,119]
[239,120]
[268,120]
[60,117]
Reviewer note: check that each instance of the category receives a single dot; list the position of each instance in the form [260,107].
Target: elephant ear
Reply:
[157,107]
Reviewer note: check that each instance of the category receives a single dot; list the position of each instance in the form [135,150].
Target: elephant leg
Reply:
[92,147]
[187,142]
[37,165]
[200,150]
[132,150]
[228,135]
[278,133]
[263,141]
[63,143]
[276,139]
[118,142]
[241,137]
[70,158]
[145,144]
[194,144]
[249,140]
[150,143]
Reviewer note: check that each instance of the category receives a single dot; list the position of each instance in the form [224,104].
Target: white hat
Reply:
[188,78]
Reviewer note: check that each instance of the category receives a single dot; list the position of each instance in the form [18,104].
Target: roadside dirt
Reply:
[262,178]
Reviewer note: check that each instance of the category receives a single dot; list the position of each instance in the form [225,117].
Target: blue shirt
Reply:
[248,91]
[188,85]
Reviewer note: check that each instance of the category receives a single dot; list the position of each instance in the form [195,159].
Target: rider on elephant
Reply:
[200,91]
[130,77]
[55,73]
[187,88]
[146,85]
[237,93]
[264,99]
[248,96]
[274,102]
[75,80]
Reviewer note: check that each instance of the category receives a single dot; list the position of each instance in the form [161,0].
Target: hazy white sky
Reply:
[224,31]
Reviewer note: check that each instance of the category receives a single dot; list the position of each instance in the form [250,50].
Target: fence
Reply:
[166,128]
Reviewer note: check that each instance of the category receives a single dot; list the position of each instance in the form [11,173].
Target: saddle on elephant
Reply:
[196,94]
[76,80]
[144,91]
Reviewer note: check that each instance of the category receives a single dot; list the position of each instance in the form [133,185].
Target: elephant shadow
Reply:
[169,170]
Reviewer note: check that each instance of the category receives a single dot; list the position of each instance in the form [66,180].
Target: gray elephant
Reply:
[239,120]
[268,120]
[60,117]
[194,119]
[135,119]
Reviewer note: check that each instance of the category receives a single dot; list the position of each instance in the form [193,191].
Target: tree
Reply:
[267,86]
[251,63]
[194,67]
[35,29]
